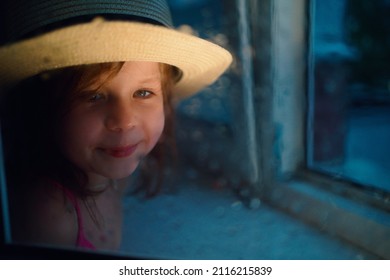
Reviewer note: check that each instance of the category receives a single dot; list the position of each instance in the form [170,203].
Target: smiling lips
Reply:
[121,152]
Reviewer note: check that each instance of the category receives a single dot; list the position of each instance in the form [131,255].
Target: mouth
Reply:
[121,152]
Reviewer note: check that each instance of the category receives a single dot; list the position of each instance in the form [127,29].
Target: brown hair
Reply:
[32,111]
[164,153]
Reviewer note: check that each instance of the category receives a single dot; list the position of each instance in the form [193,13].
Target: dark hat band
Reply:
[23,17]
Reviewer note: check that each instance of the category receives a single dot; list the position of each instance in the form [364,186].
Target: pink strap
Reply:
[82,241]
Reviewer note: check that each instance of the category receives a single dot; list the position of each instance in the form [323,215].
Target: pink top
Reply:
[82,241]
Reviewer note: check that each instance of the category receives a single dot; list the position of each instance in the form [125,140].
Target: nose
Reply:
[120,117]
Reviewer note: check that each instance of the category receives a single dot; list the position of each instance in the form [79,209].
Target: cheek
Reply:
[78,132]
[156,128]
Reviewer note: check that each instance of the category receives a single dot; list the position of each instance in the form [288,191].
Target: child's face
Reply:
[110,129]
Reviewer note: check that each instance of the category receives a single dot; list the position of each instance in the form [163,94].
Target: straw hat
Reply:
[77,32]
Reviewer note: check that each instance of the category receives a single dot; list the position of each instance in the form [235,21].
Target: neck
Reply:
[100,183]
[100,187]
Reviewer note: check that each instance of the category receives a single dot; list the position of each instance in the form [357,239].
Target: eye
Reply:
[142,93]
[95,97]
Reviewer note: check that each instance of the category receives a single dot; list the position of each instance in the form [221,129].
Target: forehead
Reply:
[143,70]
[97,76]
[135,74]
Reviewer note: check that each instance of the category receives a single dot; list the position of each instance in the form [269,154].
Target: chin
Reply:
[119,173]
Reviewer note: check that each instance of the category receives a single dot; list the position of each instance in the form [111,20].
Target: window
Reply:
[249,146]
[311,70]
[255,148]
[350,93]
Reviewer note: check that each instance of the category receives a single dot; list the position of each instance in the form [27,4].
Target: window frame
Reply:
[341,208]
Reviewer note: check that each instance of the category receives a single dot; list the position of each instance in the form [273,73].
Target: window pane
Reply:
[206,207]
[349,120]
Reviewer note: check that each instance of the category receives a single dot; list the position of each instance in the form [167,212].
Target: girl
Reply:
[85,101]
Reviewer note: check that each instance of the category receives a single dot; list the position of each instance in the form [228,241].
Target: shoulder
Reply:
[48,217]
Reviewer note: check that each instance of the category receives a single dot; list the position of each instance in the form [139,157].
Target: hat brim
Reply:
[201,62]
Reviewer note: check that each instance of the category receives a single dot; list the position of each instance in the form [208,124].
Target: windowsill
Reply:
[352,221]
[196,222]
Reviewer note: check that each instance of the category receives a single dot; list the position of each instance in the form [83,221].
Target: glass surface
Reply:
[349,120]
[206,207]
[210,184]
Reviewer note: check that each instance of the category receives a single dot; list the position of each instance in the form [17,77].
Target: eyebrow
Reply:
[154,79]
